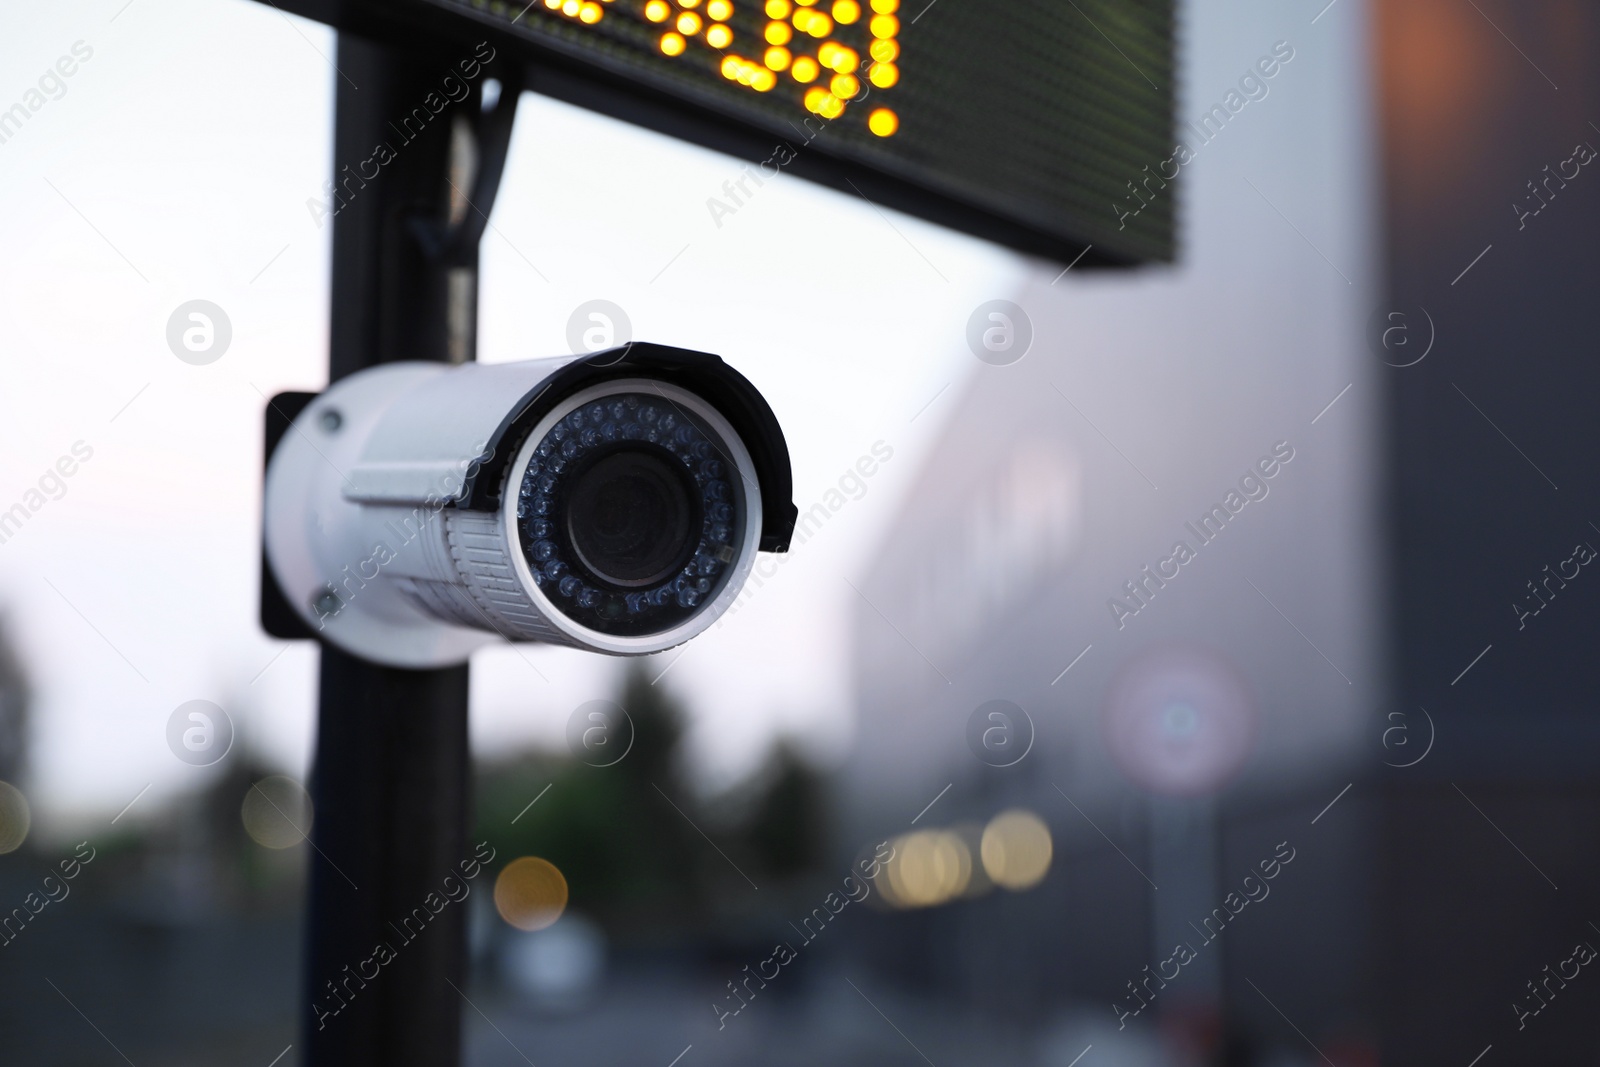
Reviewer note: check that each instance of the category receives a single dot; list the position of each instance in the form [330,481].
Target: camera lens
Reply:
[630,512]
[631,520]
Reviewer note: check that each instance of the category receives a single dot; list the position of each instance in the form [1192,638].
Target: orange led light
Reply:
[821,102]
[743,71]
[813,22]
[842,65]
[590,12]
[570,8]
[553,5]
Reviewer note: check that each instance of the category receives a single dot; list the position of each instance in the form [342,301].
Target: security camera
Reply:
[613,502]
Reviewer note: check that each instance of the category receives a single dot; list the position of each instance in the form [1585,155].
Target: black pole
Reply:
[389,789]
[389,782]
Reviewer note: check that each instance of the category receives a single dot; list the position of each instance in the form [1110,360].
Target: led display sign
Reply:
[1031,123]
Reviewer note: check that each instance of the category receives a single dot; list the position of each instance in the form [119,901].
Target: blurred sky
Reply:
[177,165]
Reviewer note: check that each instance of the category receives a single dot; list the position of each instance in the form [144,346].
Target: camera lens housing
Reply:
[615,503]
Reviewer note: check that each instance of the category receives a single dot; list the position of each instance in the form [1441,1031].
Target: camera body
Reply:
[613,502]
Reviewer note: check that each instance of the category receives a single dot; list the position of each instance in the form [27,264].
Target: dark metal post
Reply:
[390,778]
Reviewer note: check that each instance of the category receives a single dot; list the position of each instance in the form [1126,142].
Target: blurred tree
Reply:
[785,833]
[628,857]
[14,698]
[628,837]
[244,873]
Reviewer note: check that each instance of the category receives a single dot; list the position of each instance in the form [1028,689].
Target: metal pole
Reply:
[390,778]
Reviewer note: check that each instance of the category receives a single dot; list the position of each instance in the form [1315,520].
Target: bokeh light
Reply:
[276,812]
[930,867]
[1180,721]
[14,818]
[530,893]
[883,122]
[1016,849]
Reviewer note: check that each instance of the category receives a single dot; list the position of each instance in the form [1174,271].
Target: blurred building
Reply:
[1489,133]
[1192,709]
[1194,737]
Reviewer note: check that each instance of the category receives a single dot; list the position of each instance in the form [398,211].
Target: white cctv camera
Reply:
[614,502]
